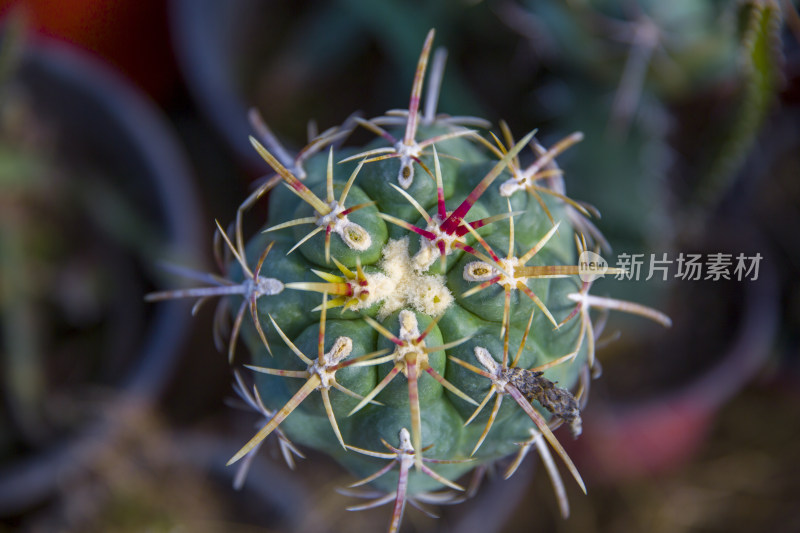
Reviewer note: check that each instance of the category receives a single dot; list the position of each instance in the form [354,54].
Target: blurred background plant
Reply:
[692,135]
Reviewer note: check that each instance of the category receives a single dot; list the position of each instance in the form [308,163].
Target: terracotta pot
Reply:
[129,34]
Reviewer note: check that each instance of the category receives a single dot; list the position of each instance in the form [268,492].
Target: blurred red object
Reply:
[620,446]
[129,34]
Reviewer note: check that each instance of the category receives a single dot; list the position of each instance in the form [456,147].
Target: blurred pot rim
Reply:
[150,141]
[198,28]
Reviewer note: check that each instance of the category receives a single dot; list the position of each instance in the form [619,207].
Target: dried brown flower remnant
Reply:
[559,401]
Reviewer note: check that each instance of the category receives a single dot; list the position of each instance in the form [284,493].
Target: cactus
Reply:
[398,287]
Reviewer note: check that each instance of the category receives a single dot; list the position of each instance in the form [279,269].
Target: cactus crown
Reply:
[431,253]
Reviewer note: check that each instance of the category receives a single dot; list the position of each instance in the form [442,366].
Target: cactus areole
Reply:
[400,291]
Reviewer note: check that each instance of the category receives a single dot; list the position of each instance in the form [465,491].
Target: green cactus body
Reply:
[391,254]
[416,301]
